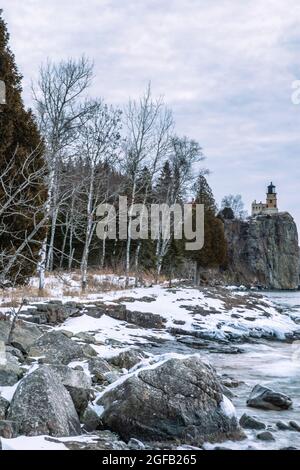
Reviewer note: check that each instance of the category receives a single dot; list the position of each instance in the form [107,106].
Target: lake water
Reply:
[275,365]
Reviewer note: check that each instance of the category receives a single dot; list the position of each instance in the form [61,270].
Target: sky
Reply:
[225,67]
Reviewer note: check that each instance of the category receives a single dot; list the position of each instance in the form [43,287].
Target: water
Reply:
[272,364]
[275,365]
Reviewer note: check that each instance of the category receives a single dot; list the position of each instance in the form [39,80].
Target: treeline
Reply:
[75,153]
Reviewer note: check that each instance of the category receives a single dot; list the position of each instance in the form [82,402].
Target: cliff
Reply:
[263,251]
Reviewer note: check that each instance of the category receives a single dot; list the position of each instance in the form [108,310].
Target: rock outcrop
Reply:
[179,399]
[263,251]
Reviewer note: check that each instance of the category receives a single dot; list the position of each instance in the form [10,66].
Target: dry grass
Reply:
[62,283]
[14,296]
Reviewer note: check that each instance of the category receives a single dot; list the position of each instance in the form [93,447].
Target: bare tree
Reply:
[98,147]
[148,124]
[61,107]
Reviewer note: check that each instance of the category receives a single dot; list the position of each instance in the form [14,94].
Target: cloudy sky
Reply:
[225,67]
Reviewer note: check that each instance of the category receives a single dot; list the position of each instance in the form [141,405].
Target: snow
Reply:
[8,392]
[227,407]
[31,443]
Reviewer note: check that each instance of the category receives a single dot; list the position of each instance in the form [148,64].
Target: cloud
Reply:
[225,67]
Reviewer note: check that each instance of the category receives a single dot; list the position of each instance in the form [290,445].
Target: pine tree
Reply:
[21,151]
[213,253]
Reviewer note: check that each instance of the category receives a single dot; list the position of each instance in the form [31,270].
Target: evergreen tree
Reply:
[21,160]
[213,253]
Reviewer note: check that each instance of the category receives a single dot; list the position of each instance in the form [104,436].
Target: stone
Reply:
[90,420]
[128,358]
[56,348]
[265,436]
[42,406]
[267,399]
[4,405]
[99,368]
[179,399]
[295,426]
[24,335]
[282,426]
[10,370]
[8,429]
[249,422]
[78,384]
[146,319]
[263,251]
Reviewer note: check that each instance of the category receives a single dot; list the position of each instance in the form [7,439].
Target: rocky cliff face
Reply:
[263,251]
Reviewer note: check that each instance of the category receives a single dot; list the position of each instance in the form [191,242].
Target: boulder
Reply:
[99,368]
[42,406]
[90,420]
[249,422]
[265,436]
[4,405]
[56,348]
[25,335]
[10,370]
[178,399]
[267,399]
[128,358]
[78,384]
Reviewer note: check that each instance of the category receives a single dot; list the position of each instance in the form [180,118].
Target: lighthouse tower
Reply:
[270,207]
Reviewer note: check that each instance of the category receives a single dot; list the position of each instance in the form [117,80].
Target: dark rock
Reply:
[99,368]
[282,426]
[249,422]
[4,405]
[56,348]
[267,399]
[146,319]
[178,399]
[265,436]
[295,426]
[128,358]
[90,420]
[42,406]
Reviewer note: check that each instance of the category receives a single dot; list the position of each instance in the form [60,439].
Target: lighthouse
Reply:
[270,206]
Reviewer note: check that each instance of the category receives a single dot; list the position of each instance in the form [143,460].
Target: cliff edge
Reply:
[263,251]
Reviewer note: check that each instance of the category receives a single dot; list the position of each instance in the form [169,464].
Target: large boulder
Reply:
[56,348]
[179,398]
[267,399]
[42,406]
[263,251]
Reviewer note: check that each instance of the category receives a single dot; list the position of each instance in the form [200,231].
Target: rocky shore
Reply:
[136,369]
